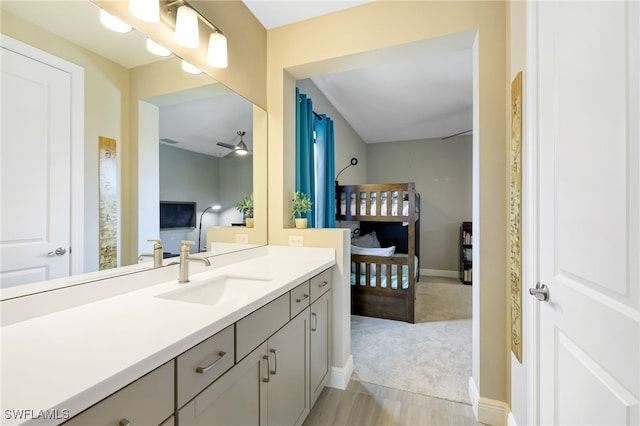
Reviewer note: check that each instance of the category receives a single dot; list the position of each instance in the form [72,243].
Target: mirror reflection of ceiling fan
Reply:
[239,149]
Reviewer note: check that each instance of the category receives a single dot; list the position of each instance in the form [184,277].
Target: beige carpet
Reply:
[431,357]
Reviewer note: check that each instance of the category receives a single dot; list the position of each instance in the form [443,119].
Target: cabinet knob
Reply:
[125,422]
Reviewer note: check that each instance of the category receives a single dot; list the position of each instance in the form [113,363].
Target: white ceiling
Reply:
[428,96]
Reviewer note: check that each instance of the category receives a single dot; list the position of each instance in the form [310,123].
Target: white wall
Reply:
[441,171]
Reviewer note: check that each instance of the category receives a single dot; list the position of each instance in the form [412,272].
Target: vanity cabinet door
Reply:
[288,387]
[147,401]
[236,398]
[320,352]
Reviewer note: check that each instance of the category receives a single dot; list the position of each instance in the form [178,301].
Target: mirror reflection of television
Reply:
[177,214]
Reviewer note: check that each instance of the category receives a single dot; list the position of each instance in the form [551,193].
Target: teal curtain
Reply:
[326,171]
[305,157]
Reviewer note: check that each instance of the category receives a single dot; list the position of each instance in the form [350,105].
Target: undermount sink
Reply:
[218,290]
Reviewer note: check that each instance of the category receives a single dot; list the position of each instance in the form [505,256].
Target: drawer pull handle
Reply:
[266,379]
[275,356]
[203,370]
[300,299]
[323,284]
[125,422]
[314,327]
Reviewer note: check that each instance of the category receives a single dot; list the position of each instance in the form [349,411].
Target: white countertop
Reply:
[71,359]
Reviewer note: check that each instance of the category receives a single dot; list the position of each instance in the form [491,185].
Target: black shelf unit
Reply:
[466,246]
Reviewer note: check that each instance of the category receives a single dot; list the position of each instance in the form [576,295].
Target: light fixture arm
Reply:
[170,6]
[353,162]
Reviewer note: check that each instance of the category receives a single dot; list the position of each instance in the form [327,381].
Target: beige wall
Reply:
[518,62]
[441,171]
[106,94]
[359,35]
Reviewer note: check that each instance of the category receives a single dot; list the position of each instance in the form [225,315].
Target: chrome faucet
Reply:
[157,253]
[185,259]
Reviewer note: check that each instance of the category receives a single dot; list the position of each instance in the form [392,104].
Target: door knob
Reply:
[541,292]
[58,252]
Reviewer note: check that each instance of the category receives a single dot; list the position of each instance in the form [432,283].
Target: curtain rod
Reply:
[317,115]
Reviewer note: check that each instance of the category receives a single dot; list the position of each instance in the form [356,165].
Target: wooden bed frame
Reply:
[374,301]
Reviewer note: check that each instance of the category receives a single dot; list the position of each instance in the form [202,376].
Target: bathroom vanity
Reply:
[246,341]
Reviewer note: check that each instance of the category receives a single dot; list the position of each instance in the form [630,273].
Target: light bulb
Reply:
[157,49]
[187,33]
[191,69]
[113,23]
[146,10]
[217,52]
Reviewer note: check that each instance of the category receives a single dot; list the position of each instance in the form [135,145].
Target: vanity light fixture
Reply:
[185,21]
[146,10]
[113,23]
[156,48]
[191,69]
[217,52]
[187,33]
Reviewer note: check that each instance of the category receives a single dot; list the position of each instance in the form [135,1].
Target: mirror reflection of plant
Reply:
[300,204]
[245,206]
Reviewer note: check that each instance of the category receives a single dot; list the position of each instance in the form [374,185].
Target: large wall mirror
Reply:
[173,132]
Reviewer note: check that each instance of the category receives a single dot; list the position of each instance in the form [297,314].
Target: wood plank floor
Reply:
[366,404]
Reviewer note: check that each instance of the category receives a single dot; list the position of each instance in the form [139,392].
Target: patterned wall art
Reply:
[108,226]
[515,217]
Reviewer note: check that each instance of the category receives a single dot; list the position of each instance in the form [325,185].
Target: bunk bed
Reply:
[385,254]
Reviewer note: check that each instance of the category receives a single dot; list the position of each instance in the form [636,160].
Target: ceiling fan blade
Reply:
[226,145]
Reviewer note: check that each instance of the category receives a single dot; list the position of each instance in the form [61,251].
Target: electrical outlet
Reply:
[242,238]
[295,240]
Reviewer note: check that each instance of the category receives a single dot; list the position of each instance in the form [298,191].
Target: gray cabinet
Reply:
[268,387]
[320,351]
[288,390]
[147,401]
[238,398]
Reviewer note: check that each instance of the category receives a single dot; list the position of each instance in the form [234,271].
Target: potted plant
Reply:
[245,206]
[301,204]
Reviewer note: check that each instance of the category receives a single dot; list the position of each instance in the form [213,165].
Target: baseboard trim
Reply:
[488,411]
[439,273]
[340,376]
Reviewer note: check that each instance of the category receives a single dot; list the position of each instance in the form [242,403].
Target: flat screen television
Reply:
[177,214]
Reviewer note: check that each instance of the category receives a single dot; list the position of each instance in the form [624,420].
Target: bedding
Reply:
[368,240]
[366,251]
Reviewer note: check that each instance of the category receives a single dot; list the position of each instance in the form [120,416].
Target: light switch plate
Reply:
[295,240]
[242,238]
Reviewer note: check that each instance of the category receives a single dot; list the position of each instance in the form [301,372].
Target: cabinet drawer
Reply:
[320,284]
[204,363]
[299,298]
[147,401]
[256,327]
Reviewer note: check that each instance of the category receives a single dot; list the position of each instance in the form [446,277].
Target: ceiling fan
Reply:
[239,149]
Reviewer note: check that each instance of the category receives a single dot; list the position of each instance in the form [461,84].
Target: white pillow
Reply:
[367,251]
[367,240]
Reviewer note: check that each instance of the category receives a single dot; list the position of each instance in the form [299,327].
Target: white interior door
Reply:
[35,171]
[589,222]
